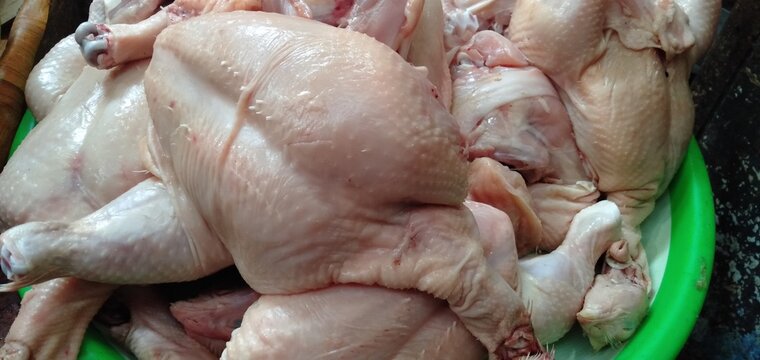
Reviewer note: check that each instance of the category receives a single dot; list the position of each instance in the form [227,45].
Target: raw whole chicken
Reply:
[622,74]
[272,173]
[257,132]
[71,164]
[82,155]
[510,112]
[50,85]
[49,82]
[355,321]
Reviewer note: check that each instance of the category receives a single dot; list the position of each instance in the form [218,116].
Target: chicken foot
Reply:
[554,285]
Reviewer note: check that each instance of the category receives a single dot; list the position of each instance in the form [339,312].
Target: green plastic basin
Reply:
[679,238]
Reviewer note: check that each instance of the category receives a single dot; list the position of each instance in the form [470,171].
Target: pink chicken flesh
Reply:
[83,154]
[356,321]
[392,22]
[276,119]
[256,135]
[622,74]
[72,163]
[511,112]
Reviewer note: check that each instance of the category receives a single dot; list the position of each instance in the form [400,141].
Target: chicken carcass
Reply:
[315,156]
[81,157]
[509,111]
[352,321]
[622,74]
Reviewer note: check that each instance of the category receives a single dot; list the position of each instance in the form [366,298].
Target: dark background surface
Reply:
[727,97]
[726,90]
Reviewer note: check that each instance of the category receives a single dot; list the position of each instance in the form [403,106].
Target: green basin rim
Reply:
[679,300]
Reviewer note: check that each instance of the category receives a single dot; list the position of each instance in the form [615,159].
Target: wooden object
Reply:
[67,15]
[15,64]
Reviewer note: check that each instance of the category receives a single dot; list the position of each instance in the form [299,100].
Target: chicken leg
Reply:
[554,285]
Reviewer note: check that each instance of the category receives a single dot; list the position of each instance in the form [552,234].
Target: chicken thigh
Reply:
[554,285]
[371,322]
[291,172]
[622,74]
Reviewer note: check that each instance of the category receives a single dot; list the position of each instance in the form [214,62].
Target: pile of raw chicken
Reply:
[391,179]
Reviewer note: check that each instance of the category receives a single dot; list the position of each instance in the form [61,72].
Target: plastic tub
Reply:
[679,238]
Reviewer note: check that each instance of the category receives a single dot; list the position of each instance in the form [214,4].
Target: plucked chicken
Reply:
[256,136]
[621,68]
[82,155]
[328,170]
[355,321]
[70,165]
